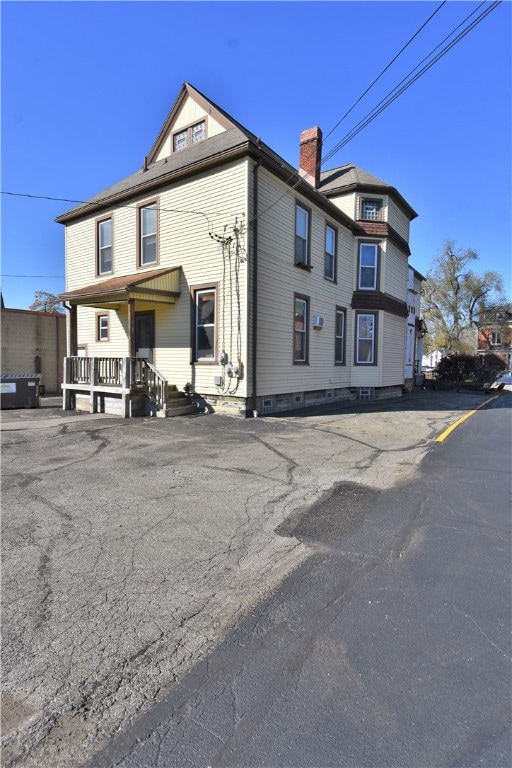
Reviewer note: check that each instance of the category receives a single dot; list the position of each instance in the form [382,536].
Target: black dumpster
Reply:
[19,390]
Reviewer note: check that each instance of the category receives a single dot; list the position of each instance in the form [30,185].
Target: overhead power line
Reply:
[402,49]
[387,100]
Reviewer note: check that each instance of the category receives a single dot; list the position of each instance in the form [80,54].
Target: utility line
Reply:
[385,69]
[397,91]
[378,109]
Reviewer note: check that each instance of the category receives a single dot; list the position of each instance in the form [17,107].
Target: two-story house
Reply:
[220,270]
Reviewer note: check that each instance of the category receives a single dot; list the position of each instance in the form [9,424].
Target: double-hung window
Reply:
[102,327]
[496,338]
[148,225]
[366,338]
[302,235]
[330,253]
[368,266]
[339,337]
[300,329]
[104,246]
[205,324]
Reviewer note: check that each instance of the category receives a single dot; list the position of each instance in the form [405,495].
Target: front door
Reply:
[145,334]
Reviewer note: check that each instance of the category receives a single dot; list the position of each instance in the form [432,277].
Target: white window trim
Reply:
[102,321]
[363,316]
[375,267]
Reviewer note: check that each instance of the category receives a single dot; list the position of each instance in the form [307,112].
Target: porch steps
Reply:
[178,403]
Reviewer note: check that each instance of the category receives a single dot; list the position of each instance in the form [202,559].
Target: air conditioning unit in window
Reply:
[318,321]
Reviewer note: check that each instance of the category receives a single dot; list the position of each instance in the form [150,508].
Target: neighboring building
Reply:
[236,277]
[34,342]
[495,334]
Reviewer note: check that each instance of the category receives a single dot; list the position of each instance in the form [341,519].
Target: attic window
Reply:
[370,209]
[191,135]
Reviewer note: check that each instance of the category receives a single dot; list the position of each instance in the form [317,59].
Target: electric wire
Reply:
[398,91]
[390,99]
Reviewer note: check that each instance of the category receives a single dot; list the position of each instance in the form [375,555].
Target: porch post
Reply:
[73,331]
[131,327]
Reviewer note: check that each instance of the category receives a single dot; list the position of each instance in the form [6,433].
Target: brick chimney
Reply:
[310,155]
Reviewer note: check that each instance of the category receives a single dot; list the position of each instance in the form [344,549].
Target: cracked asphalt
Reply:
[131,547]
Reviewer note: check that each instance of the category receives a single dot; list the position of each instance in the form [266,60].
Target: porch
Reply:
[123,386]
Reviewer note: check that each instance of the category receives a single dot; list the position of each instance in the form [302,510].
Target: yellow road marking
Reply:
[450,429]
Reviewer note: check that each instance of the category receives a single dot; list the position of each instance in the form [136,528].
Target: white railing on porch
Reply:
[113,375]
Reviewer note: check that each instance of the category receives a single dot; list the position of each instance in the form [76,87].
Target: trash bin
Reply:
[19,390]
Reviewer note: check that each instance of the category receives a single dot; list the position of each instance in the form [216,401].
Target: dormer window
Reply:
[370,209]
[192,135]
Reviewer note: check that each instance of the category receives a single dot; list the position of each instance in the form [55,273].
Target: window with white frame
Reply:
[366,326]
[339,337]
[368,266]
[148,223]
[104,240]
[205,324]
[370,209]
[302,234]
[496,338]
[191,135]
[300,329]
[102,327]
[330,253]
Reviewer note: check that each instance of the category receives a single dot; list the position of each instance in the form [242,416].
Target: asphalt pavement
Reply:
[132,547]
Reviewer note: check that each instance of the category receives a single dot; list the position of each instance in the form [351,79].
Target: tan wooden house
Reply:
[219,274]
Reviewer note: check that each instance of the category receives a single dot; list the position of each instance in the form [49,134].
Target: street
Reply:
[291,590]
[389,646]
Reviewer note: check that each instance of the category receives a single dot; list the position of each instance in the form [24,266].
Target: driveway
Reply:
[131,546]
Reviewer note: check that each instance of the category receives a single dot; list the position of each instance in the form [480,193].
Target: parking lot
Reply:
[131,546]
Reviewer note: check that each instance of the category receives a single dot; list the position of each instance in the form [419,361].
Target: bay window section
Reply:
[205,325]
[366,339]
[368,266]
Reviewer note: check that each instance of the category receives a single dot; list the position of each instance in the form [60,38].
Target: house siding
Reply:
[393,350]
[184,241]
[280,280]
[398,220]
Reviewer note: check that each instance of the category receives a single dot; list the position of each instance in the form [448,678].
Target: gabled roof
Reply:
[233,142]
[350,177]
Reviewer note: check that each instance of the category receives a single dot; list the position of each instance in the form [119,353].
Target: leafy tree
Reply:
[46,302]
[453,297]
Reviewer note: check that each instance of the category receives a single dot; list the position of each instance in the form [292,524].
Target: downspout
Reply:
[255,285]
[58,350]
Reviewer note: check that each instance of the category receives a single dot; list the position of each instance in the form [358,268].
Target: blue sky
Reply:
[86,87]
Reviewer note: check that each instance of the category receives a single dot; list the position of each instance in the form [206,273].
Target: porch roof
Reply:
[158,285]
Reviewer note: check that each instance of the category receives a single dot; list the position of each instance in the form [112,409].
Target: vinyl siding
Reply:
[184,241]
[398,220]
[346,203]
[393,349]
[280,279]
[394,271]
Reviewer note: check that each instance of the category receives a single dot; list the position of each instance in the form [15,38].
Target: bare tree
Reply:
[453,297]
[47,302]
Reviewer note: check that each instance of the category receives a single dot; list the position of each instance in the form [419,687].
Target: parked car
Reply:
[503,380]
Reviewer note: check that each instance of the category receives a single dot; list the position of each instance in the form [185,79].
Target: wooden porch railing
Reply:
[113,375]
